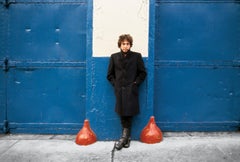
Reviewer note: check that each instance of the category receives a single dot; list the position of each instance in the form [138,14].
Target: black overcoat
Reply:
[126,73]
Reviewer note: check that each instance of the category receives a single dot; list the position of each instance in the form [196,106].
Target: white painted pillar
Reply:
[112,18]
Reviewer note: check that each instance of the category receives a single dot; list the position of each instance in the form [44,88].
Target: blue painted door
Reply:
[197,74]
[2,72]
[45,84]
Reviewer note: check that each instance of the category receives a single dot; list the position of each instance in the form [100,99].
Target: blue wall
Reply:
[101,112]
[53,83]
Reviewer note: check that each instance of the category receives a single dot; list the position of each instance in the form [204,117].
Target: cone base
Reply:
[151,133]
[85,136]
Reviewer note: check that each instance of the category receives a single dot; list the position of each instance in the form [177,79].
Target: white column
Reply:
[112,18]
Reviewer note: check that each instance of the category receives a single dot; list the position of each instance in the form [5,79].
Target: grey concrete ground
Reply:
[175,147]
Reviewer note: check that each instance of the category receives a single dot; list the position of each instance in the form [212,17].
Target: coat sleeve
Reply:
[141,71]
[111,71]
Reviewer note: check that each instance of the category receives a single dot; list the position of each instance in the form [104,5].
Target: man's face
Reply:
[125,46]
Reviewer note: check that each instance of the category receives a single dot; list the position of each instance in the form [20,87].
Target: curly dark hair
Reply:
[123,37]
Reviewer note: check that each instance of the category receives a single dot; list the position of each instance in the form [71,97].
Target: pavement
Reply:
[175,147]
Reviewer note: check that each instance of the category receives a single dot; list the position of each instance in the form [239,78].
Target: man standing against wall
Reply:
[126,71]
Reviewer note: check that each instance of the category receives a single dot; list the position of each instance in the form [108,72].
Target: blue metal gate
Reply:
[43,51]
[197,75]
[50,83]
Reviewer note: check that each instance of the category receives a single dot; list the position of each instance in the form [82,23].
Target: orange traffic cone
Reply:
[86,136]
[151,133]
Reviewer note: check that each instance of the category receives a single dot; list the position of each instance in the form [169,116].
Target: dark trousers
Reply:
[126,121]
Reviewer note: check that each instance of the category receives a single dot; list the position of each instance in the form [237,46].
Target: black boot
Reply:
[124,141]
[128,134]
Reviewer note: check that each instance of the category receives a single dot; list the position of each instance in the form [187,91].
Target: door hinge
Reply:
[5,126]
[6,65]
[8,2]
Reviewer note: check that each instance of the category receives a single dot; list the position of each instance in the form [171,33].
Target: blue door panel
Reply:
[46,97]
[197,31]
[47,31]
[197,96]
[197,73]
[2,99]
[45,44]
[3,33]
[2,73]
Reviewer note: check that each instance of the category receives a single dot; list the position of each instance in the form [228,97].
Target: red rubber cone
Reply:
[151,133]
[86,136]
